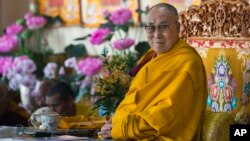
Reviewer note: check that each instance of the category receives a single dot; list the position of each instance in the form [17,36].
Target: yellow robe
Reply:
[166,99]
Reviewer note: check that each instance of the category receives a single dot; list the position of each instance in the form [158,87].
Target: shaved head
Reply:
[162,27]
[171,9]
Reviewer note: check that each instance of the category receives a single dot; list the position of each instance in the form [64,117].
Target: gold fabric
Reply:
[82,109]
[166,99]
[81,122]
[85,107]
[233,95]
[216,125]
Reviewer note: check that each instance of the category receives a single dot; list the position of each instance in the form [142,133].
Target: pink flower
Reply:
[62,71]
[25,66]
[28,15]
[120,16]
[123,43]
[8,42]
[35,22]
[19,59]
[106,13]
[14,82]
[20,72]
[70,62]
[5,64]
[50,70]
[14,29]
[98,37]
[106,73]
[29,80]
[89,66]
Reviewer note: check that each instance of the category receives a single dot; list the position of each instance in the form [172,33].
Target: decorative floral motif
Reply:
[228,94]
[242,115]
[221,91]
[215,107]
[216,19]
[214,92]
[218,43]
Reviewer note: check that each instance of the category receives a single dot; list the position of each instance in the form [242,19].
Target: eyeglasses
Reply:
[163,28]
[150,29]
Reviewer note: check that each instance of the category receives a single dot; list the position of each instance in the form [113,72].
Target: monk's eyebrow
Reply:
[163,22]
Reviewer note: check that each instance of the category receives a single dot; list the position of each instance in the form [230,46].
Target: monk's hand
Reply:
[106,130]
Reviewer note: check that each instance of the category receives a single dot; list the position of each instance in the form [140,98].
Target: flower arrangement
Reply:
[20,33]
[20,71]
[79,77]
[118,57]
[111,86]
[24,51]
[105,76]
[18,63]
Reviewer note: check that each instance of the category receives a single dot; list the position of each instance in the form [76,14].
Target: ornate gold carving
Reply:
[216,18]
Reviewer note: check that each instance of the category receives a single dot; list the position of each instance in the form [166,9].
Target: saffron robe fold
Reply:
[166,99]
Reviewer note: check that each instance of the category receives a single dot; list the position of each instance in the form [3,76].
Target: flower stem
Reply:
[38,40]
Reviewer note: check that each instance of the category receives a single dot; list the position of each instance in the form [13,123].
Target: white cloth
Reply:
[7,132]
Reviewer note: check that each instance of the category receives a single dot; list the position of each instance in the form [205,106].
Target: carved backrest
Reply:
[216,18]
[220,31]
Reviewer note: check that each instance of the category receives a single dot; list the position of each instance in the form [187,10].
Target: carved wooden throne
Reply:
[220,32]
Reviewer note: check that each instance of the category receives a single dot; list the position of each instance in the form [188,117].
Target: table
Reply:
[9,133]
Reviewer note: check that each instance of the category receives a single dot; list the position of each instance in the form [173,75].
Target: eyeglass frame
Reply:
[163,28]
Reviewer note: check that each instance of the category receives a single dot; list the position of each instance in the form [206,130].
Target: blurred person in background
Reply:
[11,114]
[61,99]
[40,97]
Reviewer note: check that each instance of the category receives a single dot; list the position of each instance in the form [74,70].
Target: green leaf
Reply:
[78,50]
[124,27]
[141,48]
[26,34]
[108,37]
[52,20]
[82,38]
[20,21]
[79,77]
[108,25]
[24,51]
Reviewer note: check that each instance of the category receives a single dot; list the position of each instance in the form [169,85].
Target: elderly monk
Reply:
[167,97]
